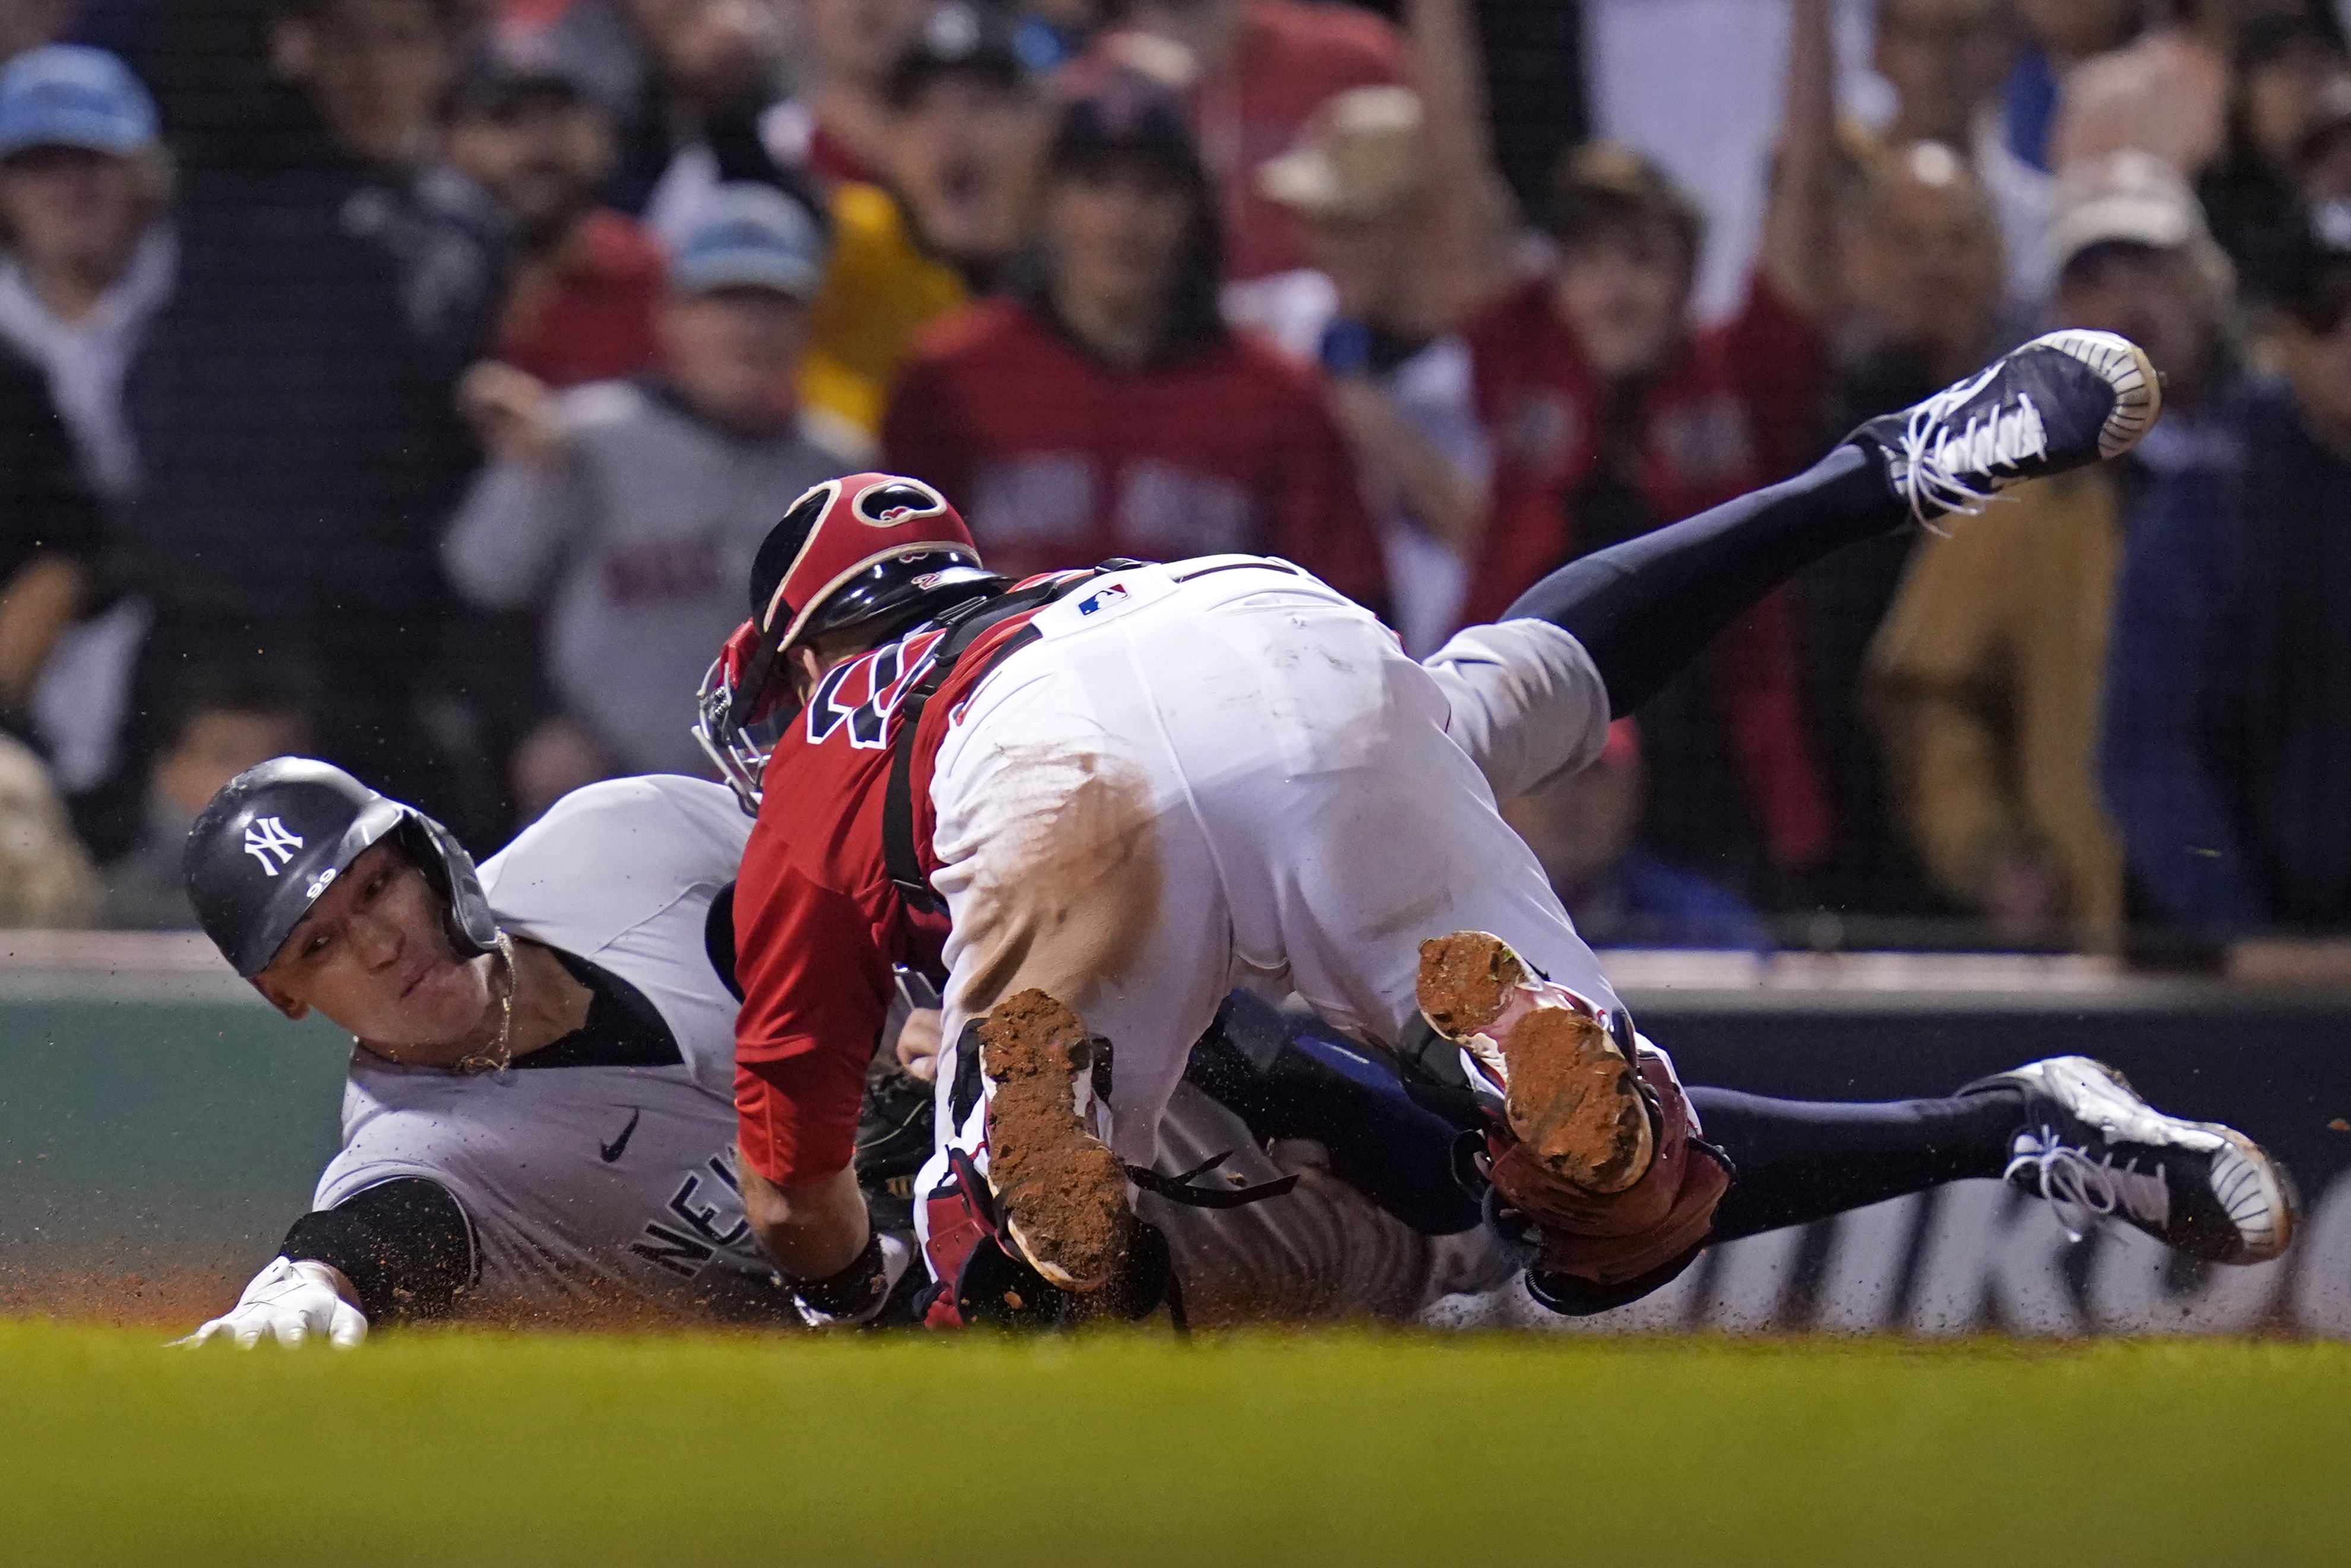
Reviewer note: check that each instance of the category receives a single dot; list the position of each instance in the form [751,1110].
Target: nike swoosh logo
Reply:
[619,1146]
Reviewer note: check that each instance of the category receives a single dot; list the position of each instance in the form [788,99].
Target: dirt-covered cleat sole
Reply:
[1569,1093]
[1061,1192]
[2096,1150]
[2061,401]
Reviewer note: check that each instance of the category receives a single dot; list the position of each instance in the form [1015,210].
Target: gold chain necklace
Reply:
[500,1056]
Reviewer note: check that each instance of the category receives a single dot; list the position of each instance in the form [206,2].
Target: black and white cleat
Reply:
[2096,1150]
[2061,401]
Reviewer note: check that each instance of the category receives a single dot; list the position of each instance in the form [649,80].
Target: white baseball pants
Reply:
[1220,772]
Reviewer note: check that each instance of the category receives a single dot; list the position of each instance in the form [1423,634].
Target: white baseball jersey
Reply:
[601,1184]
[592,1182]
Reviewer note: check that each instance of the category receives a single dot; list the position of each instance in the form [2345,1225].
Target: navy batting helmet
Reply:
[276,836]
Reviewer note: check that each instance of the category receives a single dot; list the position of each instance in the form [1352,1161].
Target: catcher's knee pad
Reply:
[1642,1235]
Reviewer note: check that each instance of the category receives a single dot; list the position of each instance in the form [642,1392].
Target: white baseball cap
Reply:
[2131,197]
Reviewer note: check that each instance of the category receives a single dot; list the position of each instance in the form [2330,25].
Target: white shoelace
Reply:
[1934,456]
[2082,1190]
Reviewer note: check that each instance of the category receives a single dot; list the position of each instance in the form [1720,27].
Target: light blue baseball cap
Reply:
[750,236]
[63,94]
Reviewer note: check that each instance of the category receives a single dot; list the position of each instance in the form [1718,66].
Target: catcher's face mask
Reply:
[876,552]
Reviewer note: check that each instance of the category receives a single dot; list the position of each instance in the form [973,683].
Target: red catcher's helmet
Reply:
[872,551]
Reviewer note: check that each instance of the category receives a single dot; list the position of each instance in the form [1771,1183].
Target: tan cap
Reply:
[1357,156]
[2131,197]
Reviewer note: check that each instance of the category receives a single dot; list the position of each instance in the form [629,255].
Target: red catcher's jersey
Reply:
[818,923]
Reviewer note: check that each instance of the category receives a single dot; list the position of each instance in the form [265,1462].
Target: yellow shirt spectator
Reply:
[1984,681]
[881,287]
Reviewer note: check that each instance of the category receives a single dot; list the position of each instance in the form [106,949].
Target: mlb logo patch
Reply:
[1104,601]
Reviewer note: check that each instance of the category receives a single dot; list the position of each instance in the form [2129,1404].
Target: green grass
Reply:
[1266,1449]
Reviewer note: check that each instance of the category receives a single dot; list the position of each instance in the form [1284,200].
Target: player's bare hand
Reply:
[918,1044]
[290,1303]
[512,412]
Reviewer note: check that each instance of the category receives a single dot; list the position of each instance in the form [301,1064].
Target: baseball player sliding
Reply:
[540,1116]
[1098,800]
[529,1119]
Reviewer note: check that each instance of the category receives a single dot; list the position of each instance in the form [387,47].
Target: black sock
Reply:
[1800,1160]
[1645,609]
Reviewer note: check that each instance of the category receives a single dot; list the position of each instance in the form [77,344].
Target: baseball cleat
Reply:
[2096,1150]
[2061,401]
[1060,1191]
[1568,1092]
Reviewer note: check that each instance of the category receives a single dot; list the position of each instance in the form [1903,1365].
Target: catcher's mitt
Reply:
[893,1139]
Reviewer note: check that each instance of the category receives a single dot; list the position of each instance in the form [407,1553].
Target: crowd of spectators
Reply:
[409,381]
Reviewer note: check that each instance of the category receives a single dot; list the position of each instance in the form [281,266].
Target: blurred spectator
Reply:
[1923,277]
[633,509]
[28,23]
[586,279]
[1923,268]
[1407,229]
[1105,409]
[1619,896]
[1400,390]
[1985,679]
[684,82]
[967,126]
[1610,415]
[79,177]
[221,722]
[2168,90]
[1052,32]
[292,407]
[1945,60]
[2226,755]
[48,534]
[2165,92]
[89,261]
[966,130]
[374,73]
[1255,70]
[1465,245]
[2138,258]
[2321,173]
[88,258]
[840,124]
[2251,194]
[46,878]
[2058,35]
[374,70]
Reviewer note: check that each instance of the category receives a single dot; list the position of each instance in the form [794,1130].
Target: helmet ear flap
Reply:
[473,929]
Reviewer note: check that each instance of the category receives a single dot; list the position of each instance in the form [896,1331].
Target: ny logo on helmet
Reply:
[268,837]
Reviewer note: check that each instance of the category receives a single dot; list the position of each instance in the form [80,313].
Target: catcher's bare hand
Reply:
[918,1044]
